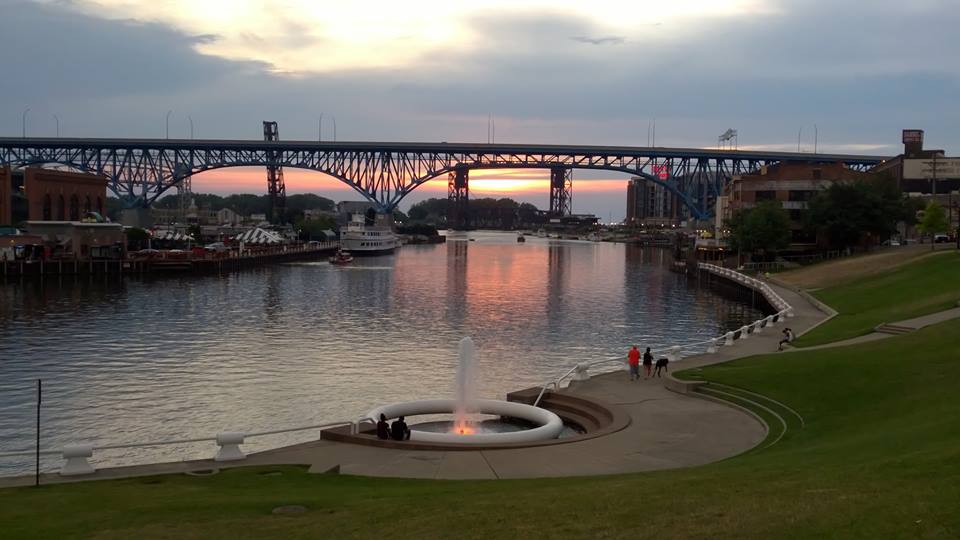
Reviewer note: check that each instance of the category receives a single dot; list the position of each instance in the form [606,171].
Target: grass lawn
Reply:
[879,457]
[926,286]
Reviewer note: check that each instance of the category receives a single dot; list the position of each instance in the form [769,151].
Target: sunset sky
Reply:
[557,71]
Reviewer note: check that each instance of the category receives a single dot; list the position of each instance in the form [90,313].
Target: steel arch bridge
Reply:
[139,171]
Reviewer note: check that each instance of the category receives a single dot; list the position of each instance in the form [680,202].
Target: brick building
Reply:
[791,183]
[649,204]
[63,196]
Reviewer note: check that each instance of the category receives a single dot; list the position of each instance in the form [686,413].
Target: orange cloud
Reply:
[488,182]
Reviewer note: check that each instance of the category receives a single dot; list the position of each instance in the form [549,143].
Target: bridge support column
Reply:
[458,199]
[561,191]
[275,185]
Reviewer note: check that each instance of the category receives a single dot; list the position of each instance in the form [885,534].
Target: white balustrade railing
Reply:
[76,456]
[677,352]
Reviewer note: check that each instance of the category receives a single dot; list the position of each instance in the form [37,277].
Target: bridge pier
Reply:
[275,185]
[561,191]
[458,198]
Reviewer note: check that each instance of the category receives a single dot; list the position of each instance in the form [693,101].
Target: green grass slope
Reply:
[879,457]
[926,286]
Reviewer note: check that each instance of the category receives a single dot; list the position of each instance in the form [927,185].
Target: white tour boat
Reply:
[370,234]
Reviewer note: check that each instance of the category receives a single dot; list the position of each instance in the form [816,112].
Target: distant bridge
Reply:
[140,170]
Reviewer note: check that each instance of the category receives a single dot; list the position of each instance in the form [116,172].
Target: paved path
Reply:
[913,324]
[667,430]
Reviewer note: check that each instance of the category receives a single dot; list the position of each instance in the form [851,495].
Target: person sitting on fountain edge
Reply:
[399,430]
[383,428]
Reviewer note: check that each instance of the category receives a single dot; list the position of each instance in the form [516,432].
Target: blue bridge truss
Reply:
[139,171]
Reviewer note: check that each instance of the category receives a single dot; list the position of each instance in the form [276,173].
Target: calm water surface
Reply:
[138,360]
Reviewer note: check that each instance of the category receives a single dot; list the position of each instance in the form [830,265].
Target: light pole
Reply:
[799,133]
[815,134]
[57,118]
[320,129]
[23,123]
[334,128]
[168,123]
[190,118]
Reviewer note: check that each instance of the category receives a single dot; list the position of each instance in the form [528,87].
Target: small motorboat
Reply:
[342,257]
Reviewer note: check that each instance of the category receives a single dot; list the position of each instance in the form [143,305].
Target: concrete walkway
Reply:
[910,324]
[667,430]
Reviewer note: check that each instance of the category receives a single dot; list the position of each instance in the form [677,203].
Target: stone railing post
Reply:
[77,464]
[229,444]
[581,372]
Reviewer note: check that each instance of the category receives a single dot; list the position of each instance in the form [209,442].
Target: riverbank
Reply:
[183,263]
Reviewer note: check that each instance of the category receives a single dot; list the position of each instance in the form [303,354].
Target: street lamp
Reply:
[190,118]
[168,123]
[320,129]
[23,123]
[57,118]
[334,128]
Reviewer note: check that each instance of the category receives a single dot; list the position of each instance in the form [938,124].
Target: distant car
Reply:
[218,247]
[940,239]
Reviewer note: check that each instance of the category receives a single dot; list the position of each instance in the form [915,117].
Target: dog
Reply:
[661,365]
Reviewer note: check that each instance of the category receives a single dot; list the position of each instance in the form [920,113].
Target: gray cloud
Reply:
[860,74]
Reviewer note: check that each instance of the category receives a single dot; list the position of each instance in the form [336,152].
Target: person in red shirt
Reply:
[633,359]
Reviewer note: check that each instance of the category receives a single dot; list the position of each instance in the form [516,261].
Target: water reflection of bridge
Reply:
[141,170]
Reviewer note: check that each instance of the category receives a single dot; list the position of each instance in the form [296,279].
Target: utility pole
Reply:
[57,118]
[934,179]
[36,481]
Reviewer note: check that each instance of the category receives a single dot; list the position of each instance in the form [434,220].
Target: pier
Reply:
[186,262]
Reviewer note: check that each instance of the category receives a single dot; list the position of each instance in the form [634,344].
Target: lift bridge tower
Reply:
[275,186]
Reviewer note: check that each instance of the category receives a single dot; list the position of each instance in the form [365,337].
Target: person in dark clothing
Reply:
[399,430]
[787,338]
[383,428]
[647,363]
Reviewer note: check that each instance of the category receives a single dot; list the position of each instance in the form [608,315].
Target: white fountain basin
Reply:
[548,424]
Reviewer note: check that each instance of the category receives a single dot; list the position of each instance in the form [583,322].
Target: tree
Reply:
[137,238]
[850,213]
[934,220]
[195,232]
[313,229]
[763,229]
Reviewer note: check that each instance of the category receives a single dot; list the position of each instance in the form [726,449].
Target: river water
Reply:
[135,360]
